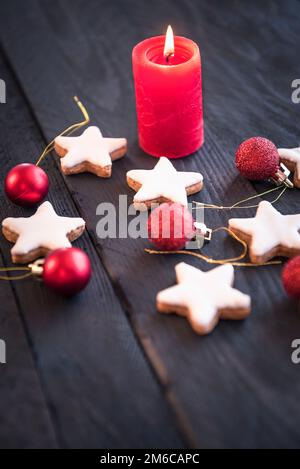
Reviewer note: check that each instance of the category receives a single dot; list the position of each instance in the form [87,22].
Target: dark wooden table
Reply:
[104,370]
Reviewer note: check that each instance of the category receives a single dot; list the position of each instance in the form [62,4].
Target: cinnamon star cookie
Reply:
[41,233]
[90,152]
[162,184]
[269,234]
[204,298]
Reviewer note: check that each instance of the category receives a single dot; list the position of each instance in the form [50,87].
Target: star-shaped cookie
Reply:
[41,233]
[290,157]
[90,152]
[269,234]
[204,298]
[162,184]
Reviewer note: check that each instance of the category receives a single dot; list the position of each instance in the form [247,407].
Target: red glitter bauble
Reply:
[170,227]
[26,185]
[67,271]
[257,159]
[291,277]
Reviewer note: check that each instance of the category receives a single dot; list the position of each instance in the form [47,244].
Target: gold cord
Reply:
[233,261]
[67,132]
[237,205]
[15,269]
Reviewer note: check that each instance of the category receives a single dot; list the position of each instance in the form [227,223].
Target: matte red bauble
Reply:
[291,277]
[170,227]
[67,271]
[26,185]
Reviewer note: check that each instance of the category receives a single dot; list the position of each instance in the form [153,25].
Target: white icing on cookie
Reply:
[204,295]
[269,229]
[45,229]
[163,181]
[90,147]
[291,154]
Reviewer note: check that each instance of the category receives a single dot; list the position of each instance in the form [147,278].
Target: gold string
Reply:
[15,269]
[233,261]
[237,205]
[69,131]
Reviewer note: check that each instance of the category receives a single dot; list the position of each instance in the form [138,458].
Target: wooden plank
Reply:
[25,418]
[237,387]
[99,388]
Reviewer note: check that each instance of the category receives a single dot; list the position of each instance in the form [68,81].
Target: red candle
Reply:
[168,86]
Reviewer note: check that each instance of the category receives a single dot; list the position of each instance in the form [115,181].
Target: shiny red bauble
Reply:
[170,227]
[291,277]
[26,185]
[67,271]
[257,159]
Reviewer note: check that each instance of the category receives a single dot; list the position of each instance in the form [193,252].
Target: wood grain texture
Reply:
[25,417]
[237,387]
[97,389]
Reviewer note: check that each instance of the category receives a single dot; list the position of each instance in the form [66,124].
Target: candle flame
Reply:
[169,43]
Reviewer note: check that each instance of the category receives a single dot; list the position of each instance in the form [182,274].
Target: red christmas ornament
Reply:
[291,277]
[67,271]
[26,185]
[170,227]
[257,159]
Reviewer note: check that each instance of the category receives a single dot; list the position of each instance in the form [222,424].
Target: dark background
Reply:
[104,369]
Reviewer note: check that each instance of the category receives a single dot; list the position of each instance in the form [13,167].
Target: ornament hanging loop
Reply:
[239,205]
[67,132]
[27,270]
[234,261]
